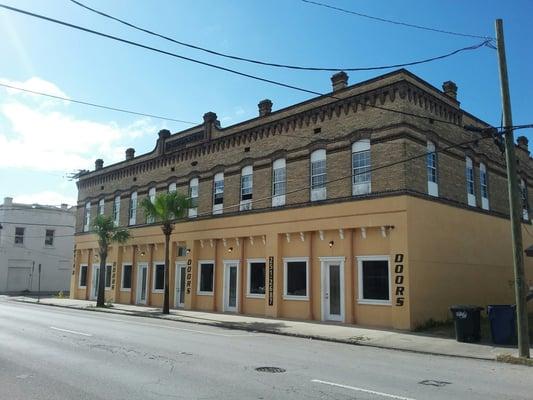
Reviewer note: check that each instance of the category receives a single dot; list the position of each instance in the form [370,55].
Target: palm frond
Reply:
[166,207]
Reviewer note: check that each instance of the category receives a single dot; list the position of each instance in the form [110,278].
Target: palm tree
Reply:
[107,233]
[166,208]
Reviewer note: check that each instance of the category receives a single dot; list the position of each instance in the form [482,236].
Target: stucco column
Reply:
[74,279]
[133,274]
[172,274]
[399,272]
[219,268]
[311,277]
[89,283]
[349,270]
[150,273]
[241,276]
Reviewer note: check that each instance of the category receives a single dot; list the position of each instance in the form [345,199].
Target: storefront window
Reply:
[256,278]
[159,277]
[374,279]
[296,279]
[205,283]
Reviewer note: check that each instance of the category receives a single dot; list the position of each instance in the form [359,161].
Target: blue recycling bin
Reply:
[502,319]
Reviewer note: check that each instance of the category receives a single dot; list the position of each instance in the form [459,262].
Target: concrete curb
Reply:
[230,325]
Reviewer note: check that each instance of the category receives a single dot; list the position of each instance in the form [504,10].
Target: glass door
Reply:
[142,281]
[95,282]
[333,288]
[231,270]
[180,285]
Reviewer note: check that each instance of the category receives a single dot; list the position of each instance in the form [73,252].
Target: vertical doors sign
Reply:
[270,281]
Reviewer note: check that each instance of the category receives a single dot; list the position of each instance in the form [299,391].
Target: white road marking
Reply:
[69,331]
[390,396]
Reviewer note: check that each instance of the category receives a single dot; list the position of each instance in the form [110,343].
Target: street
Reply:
[53,353]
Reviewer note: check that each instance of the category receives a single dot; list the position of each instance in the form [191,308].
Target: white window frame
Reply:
[279,199]
[287,260]
[116,210]
[360,299]
[133,209]
[22,236]
[172,187]
[318,193]
[110,277]
[361,147]
[151,195]
[470,182]
[193,194]
[101,206]
[246,205]
[433,186]
[484,186]
[218,208]
[122,288]
[86,276]
[198,291]
[154,268]
[87,217]
[249,276]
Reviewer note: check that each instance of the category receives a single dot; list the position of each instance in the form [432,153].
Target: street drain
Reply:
[273,370]
[431,382]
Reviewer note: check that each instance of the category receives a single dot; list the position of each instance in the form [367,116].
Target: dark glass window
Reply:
[182,251]
[108,270]
[159,283]
[375,280]
[126,277]
[19,235]
[296,278]
[83,275]
[257,278]
[49,237]
[206,277]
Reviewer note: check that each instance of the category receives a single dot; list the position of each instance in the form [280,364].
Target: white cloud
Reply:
[45,198]
[35,84]
[51,139]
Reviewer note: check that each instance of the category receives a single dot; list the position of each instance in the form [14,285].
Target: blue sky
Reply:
[41,139]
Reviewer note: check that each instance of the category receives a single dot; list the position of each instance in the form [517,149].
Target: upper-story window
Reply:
[87,218]
[431,163]
[49,238]
[151,196]
[525,202]
[247,183]
[133,208]
[19,236]
[218,193]
[101,206]
[361,167]
[116,210]
[484,187]
[470,185]
[172,187]
[318,175]
[279,182]
[193,195]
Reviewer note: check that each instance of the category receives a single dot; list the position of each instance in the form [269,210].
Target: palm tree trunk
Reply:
[100,300]
[166,300]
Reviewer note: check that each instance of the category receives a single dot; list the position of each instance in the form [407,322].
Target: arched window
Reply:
[361,176]
[431,162]
[133,209]
[218,193]
[279,182]
[193,195]
[318,175]
[484,186]
[470,185]
[247,183]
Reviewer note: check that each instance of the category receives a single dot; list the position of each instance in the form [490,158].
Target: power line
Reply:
[96,105]
[270,64]
[396,22]
[277,83]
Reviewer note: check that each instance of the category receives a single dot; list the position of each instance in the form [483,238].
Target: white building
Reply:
[33,235]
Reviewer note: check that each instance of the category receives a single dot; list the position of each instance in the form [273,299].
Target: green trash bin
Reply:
[467,320]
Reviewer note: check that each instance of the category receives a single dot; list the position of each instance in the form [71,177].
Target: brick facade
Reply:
[328,122]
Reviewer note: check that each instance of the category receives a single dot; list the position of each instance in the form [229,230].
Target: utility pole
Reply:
[39,289]
[515,200]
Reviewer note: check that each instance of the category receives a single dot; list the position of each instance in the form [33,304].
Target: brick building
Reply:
[312,212]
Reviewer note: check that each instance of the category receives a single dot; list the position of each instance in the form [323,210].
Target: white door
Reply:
[333,289]
[95,281]
[231,286]
[142,283]
[181,274]
[18,279]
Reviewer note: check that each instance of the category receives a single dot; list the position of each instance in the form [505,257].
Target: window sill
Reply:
[255,296]
[82,287]
[204,293]
[158,290]
[298,298]
[125,290]
[374,302]
[108,289]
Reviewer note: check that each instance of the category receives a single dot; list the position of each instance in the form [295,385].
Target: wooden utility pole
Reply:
[515,201]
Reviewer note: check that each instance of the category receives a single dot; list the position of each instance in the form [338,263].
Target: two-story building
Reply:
[370,205]
[33,235]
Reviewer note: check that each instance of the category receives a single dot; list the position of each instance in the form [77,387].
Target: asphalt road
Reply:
[52,353]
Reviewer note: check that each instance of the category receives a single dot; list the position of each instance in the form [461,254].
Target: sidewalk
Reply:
[351,334]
